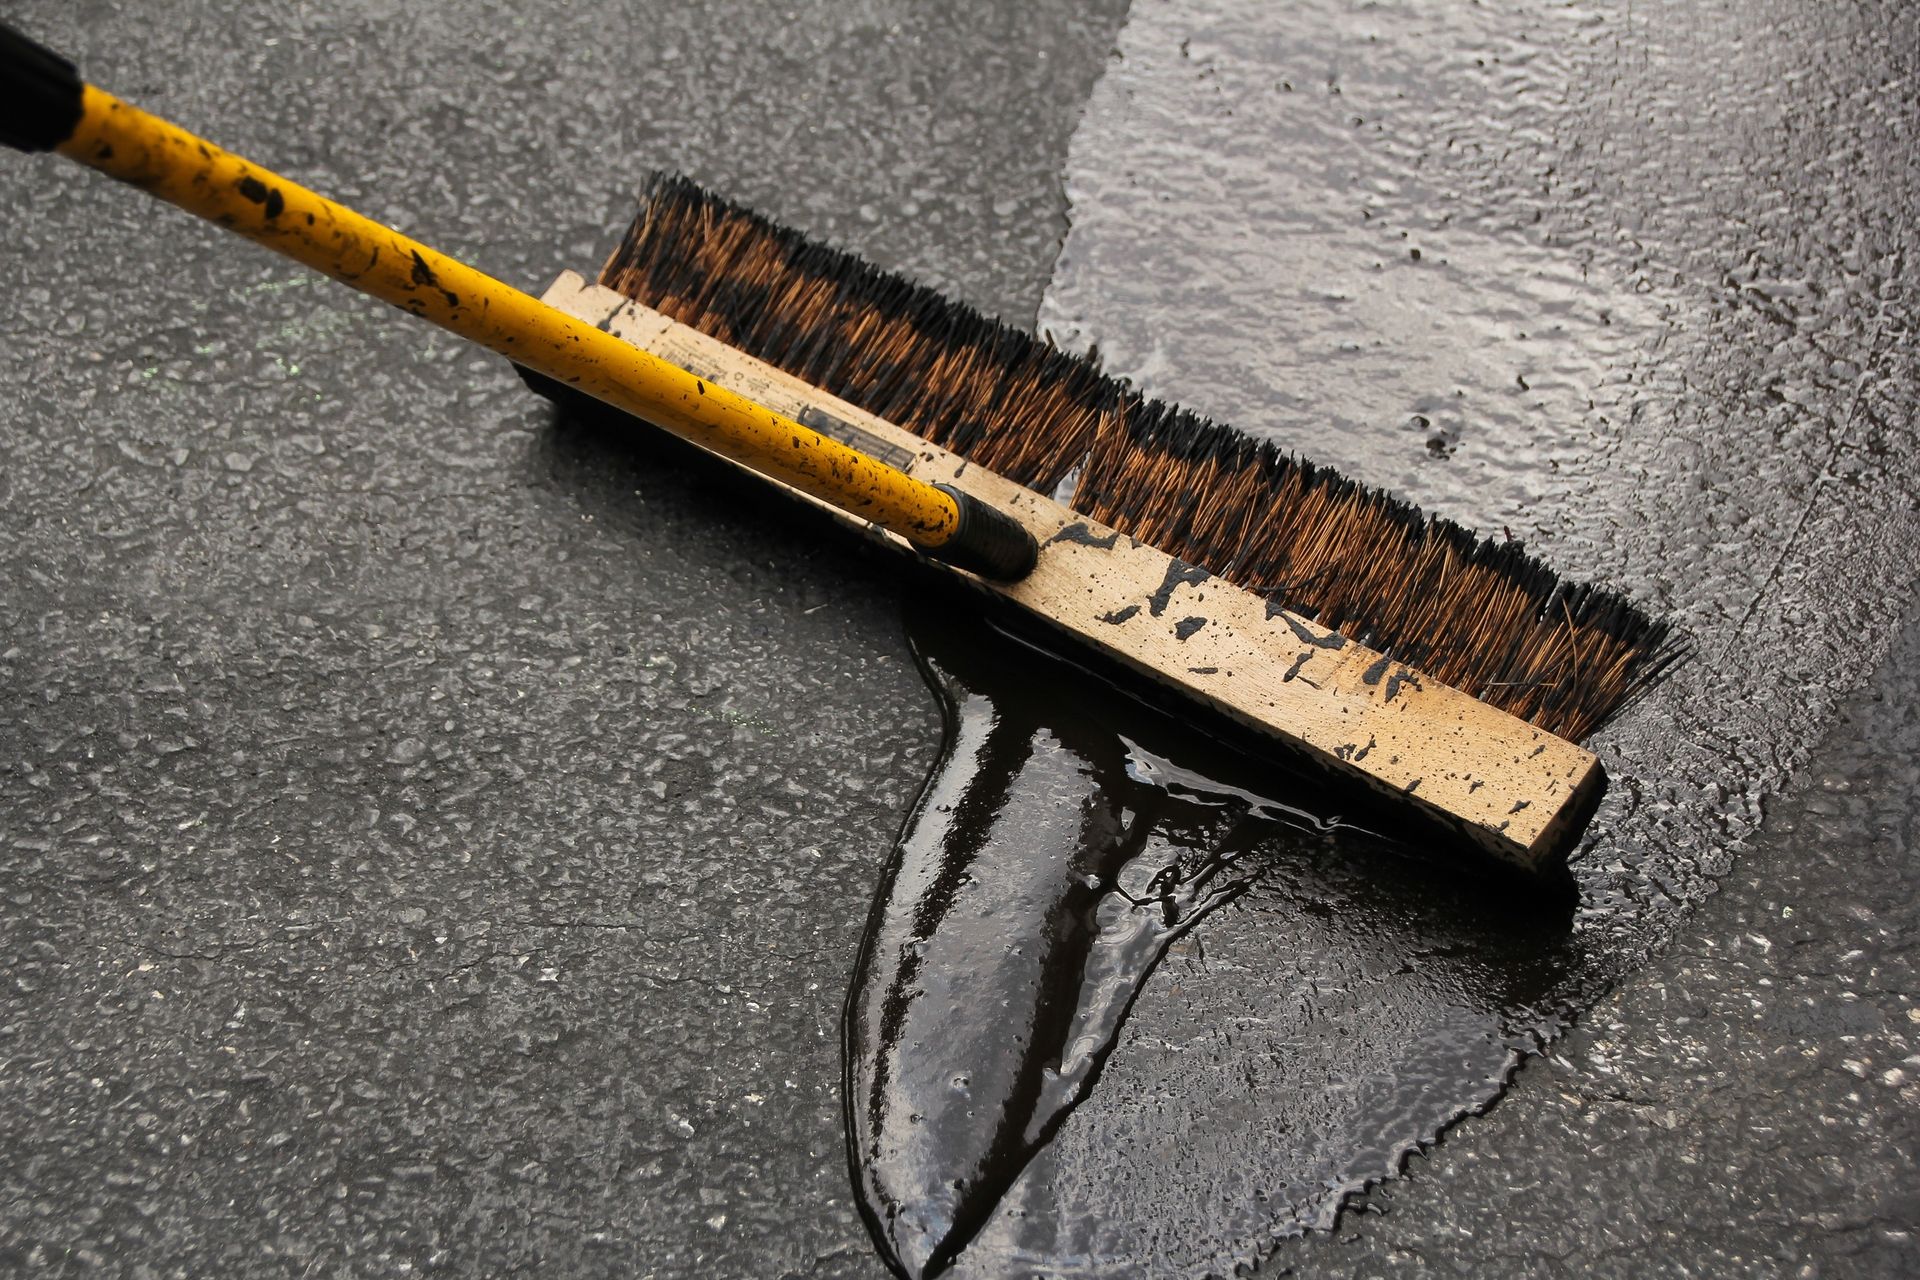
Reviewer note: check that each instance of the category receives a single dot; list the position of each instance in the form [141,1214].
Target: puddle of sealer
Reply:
[1066,839]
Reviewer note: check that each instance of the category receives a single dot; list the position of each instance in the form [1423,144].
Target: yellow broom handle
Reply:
[127,143]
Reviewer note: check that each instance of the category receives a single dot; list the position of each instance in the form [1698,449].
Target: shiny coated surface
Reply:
[1047,867]
[1659,322]
[1747,1105]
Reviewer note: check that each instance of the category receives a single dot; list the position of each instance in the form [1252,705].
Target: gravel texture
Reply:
[435,839]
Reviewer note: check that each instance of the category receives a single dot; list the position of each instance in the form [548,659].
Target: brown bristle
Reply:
[1479,615]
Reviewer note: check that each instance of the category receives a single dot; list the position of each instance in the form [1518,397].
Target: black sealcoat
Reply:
[1057,852]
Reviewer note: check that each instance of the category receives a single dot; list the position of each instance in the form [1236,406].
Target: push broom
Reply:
[1451,674]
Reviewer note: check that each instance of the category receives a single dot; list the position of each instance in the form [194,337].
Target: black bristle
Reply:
[1475,613]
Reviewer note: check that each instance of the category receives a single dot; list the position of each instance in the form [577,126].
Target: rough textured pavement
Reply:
[435,841]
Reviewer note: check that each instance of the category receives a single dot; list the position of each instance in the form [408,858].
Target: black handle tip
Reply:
[988,542]
[40,94]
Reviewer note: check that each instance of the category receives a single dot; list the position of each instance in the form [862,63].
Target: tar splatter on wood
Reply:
[1354,751]
[1178,572]
[1301,632]
[1080,533]
[1186,627]
[1396,677]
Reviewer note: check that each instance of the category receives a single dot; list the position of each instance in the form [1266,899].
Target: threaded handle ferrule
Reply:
[988,541]
[40,94]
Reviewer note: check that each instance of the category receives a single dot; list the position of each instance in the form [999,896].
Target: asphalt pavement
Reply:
[1632,283]
[436,834]
[436,839]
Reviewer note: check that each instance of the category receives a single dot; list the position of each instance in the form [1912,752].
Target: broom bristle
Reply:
[1478,614]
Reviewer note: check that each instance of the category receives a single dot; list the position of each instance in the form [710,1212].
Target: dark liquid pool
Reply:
[1068,839]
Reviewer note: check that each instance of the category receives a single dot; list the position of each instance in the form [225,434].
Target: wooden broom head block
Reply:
[1510,787]
[1479,614]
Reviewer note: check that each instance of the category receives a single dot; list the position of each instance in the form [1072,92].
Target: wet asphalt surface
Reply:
[437,838]
[1604,277]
